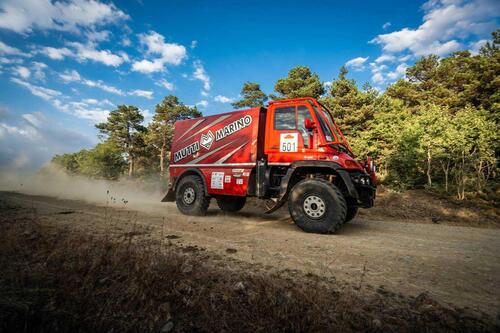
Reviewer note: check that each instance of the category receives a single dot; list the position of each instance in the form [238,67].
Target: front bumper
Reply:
[365,188]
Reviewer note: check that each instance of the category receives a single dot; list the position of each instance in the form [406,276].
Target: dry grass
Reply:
[58,280]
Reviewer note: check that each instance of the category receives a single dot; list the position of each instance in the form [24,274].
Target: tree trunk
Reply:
[131,167]
[446,170]
[429,162]
[162,160]
[162,154]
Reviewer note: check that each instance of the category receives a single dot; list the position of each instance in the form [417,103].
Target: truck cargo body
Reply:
[223,147]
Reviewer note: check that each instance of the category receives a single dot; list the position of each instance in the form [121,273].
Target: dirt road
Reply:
[458,265]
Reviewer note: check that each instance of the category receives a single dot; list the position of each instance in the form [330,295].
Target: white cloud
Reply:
[385,58]
[194,44]
[476,46]
[400,71]
[24,16]
[31,139]
[89,52]
[77,109]
[82,110]
[9,50]
[445,23]
[165,84]
[200,74]
[386,25]
[141,93]
[357,64]
[146,66]
[70,76]
[45,93]
[168,53]
[93,101]
[56,53]
[202,103]
[98,36]
[74,76]
[22,71]
[126,41]
[223,99]
[39,70]
[101,85]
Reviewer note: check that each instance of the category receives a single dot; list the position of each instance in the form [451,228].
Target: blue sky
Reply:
[65,64]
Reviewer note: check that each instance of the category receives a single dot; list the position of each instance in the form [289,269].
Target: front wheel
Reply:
[190,197]
[351,213]
[317,206]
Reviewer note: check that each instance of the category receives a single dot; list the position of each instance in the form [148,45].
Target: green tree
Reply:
[167,113]
[300,82]
[351,108]
[123,127]
[105,160]
[252,96]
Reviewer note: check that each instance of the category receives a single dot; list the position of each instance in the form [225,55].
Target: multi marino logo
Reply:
[206,140]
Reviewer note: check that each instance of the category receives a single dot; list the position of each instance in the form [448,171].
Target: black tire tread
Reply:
[342,206]
[204,200]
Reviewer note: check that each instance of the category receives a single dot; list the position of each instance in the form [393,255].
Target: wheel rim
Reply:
[314,207]
[189,196]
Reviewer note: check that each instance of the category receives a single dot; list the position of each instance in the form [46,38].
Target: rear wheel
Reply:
[351,213]
[318,206]
[231,204]
[190,196]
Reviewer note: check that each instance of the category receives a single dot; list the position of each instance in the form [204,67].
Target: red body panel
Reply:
[223,147]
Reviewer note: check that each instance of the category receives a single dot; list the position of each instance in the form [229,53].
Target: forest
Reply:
[435,128]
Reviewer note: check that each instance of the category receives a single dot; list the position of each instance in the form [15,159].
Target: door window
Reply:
[284,118]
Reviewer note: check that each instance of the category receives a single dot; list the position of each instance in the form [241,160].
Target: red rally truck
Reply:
[291,151]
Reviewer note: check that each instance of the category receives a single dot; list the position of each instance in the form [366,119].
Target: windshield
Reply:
[324,127]
[329,118]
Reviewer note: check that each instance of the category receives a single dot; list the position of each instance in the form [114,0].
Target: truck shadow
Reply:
[281,220]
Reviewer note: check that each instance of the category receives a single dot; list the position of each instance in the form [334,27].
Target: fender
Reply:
[295,166]
[170,196]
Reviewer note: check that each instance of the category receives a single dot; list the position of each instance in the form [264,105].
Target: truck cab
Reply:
[290,152]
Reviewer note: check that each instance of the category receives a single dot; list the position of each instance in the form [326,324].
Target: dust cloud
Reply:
[53,181]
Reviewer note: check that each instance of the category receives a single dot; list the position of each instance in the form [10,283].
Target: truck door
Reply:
[287,139]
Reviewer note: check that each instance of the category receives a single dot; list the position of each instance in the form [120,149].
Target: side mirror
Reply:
[309,124]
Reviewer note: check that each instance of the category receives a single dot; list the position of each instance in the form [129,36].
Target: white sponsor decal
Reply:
[207,140]
[239,181]
[289,142]
[186,151]
[217,180]
[227,179]
[234,127]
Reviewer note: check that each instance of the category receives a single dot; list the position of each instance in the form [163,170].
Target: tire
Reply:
[318,206]
[231,204]
[351,213]
[190,196]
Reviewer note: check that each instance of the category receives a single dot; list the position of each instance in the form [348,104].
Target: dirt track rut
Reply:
[459,265]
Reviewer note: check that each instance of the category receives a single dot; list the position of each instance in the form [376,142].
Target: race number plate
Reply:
[289,142]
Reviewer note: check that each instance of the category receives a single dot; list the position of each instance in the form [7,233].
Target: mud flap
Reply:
[169,197]
[277,205]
